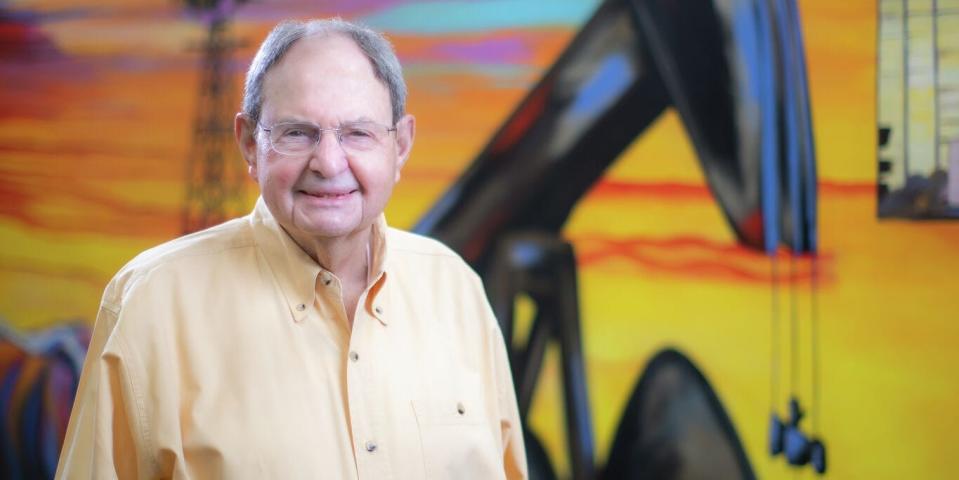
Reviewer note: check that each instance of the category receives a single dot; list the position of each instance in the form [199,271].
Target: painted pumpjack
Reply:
[734,71]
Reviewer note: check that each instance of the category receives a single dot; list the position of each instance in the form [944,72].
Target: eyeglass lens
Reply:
[295,138]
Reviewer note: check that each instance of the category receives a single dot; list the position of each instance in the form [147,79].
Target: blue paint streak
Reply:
[792,139]
[526,254]
[606,85]
[811,184]
[769,146]
[465,16]
[751,29]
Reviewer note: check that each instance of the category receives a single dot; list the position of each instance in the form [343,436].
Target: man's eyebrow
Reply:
[290,120]
[361,119]
[301,121]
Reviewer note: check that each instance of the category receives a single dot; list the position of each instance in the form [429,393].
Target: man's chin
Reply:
[328,230]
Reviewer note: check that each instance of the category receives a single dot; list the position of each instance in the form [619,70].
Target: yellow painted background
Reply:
[91,169]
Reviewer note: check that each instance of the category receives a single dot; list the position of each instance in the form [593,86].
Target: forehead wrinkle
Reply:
[316,64]
[301,121]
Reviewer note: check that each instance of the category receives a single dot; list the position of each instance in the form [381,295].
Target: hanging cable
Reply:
[793,328]
[774,351]
[814,339]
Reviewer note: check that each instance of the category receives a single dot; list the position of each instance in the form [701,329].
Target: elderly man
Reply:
[308,339]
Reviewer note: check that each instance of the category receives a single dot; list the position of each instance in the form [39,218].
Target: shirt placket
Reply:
[364,394]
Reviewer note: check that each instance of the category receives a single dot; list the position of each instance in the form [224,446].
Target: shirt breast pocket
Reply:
[456,438]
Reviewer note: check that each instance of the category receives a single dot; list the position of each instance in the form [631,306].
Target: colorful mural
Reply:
[917,104]
[99,101]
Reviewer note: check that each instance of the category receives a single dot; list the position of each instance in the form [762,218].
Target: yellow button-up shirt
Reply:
[228,354]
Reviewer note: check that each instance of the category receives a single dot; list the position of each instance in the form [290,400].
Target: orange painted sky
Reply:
[95,134]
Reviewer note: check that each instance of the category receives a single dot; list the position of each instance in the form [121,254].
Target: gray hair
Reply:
[377,48]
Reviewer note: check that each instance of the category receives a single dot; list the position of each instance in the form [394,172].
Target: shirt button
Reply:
[460,408]
[354,356]
[371,447]
[378,309]
[326,277]
[301,307]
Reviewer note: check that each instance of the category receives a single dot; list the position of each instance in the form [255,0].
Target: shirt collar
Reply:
[297,273]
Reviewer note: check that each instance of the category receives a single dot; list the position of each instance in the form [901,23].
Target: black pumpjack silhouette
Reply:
[734,71]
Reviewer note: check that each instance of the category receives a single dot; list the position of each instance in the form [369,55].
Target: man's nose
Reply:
[328,158]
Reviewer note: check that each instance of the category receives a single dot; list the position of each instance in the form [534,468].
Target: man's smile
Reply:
[329,194]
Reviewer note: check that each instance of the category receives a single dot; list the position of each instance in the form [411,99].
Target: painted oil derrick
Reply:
[215,178]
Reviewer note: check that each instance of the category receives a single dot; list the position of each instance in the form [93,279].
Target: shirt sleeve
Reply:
[514,450]
[101,440]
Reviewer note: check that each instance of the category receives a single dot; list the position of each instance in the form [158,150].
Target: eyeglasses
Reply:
[300,138]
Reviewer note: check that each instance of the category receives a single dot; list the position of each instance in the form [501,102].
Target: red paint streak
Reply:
[699,258]
[24,40]
[832,187]
[30,267]
[700,191]
[480,241]
[672,190]
[527,114]
[81,209]
[752,229]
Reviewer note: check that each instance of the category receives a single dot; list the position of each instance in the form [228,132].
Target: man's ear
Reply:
[245,132]
[405,131]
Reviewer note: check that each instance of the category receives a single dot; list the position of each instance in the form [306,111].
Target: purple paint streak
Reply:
[300,9]
[497,50]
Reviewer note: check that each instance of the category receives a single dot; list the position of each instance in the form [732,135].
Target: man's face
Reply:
[326,192]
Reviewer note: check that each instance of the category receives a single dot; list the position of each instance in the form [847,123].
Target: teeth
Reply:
[328,195]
